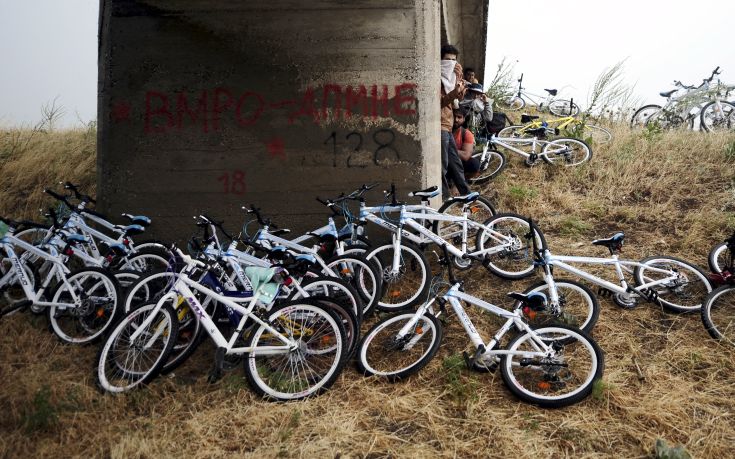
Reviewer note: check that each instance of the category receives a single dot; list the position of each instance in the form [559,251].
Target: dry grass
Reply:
[673,194]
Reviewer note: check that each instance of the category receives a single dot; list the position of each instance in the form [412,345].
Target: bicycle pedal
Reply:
[216,373]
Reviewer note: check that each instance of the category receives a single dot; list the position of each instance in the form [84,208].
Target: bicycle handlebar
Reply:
[77,194]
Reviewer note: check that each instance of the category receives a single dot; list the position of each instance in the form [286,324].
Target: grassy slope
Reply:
[674,194]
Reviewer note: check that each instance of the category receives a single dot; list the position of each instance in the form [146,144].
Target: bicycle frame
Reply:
[183,288]
[58,271]
[561,262]
[514,319]
[507,143]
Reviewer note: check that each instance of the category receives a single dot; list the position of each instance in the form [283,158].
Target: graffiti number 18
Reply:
[233,182]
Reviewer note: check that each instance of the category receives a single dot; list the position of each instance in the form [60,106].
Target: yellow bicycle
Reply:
[569,126]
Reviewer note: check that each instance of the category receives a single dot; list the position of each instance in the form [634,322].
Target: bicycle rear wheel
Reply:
[714,117]
[687,290]
[97,308]
[510,238]
[362,275]
[557,380]
[642,115]
[125,363]
[563,107]
[718,314]
[719,258]
[309,368]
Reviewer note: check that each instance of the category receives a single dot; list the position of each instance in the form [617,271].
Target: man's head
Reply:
[469,74]
[449,52]
[476,90]
[459,116]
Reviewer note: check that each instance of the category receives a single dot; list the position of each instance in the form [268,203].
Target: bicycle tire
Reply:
[512,131]
[726,121]
[563,107]
[718,314]
[490,168]
[368,366]
[399,285]
[642,115]
[334,288]
[515,103]
[583,314]
[574,153]
[713,259]
[542,380]
[95,315]
[126,377]
[679,288]
[263,383]
[362,275]
[520,249]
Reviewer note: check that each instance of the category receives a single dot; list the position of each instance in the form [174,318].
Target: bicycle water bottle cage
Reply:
[553,92]
[528,118]
[426,194]
[536,301]
[613,243]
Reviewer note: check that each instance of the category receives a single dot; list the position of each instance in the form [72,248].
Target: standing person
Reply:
[452,90]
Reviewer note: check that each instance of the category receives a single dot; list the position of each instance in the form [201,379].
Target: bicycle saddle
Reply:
[74,239]
[116,248]
[472,197]
[130,230]
[427,193]
[667,94]
[534,300]
[528,118]
[551,91]
[614,242]
[141,220]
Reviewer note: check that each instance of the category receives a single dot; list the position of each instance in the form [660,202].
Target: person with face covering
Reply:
[452,91]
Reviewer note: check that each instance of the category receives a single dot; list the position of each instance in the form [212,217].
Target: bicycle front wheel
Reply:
[562,378]
[597,134]
[566,152]
[515,130]
[515,103]
[578,306]
[383,353]
[406,286]
[563,107]
[125,363]
[718,314]
[679,285]
[309,367]
[490,167]
[507,244]
[96,299]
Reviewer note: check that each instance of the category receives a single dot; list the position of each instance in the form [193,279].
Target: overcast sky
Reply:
[568,43]
[48,48]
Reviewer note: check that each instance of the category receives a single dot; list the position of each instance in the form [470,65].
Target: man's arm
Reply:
[468,146]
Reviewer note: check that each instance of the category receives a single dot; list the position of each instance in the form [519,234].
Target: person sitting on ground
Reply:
[465,144]
[452,90]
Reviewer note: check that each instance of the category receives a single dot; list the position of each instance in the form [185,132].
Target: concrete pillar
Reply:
[464,24]
[208,106]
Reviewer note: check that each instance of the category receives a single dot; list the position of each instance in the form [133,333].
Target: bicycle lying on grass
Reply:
[718,311]
[552,366]
[674,284]
[568,125]
[562,151]
[558,107]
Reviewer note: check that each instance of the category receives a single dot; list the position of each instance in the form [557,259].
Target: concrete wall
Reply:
[208,106]
[464,24]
